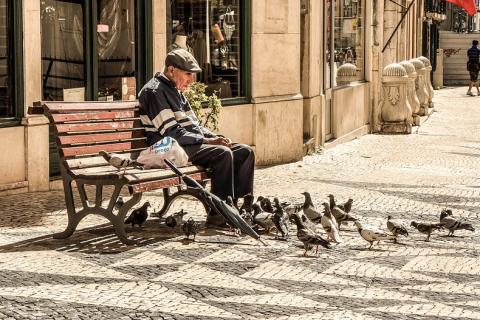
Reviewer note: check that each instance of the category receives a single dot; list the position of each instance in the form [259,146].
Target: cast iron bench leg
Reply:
[74,217]
[119,219]
[169,198]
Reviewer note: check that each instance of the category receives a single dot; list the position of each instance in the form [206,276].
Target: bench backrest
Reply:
[83,129]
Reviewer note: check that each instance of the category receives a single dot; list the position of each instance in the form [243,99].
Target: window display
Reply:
[210,30]
[349,34]
[6,107]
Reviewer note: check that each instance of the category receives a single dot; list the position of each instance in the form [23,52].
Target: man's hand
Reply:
[220,141]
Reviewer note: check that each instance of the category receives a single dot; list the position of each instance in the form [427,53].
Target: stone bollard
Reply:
[420,87]
[428,80]
[411,94]
[395,110]
[346,73]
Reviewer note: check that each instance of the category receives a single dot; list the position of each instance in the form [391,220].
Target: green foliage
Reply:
[207,108]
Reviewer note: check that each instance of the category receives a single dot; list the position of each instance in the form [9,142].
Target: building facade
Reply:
[292,74]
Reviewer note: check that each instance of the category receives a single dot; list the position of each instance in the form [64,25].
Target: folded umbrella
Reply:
[217,204]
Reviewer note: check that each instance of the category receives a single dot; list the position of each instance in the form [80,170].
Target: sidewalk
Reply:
[411,177]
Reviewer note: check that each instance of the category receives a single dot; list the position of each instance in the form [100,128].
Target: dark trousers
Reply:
[232,168]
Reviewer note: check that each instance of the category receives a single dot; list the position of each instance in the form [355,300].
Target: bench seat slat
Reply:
[141,187]
[100,137]
[96,126]
[95,149]
[85,116]
[132,175]
[62,106]
[93,161]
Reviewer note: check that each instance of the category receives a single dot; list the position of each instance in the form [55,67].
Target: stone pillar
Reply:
[346,73]
[428,82]
[438,73]
[420,87]
[411,94]
[396,112]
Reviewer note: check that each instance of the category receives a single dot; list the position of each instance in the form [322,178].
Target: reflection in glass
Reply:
[6,108]
[349,20]
[116,48]
[63,65]
[211,31]
[328,43]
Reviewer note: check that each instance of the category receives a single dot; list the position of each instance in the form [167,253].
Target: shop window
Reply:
[6,108]
[212,31]
[349,35]
[63,62]
[89,48]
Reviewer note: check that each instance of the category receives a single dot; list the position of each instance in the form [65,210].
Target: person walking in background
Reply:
[473,67]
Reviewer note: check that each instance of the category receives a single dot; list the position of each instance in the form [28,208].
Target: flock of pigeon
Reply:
[265,215]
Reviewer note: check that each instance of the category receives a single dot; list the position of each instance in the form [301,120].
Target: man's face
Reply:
[182,79]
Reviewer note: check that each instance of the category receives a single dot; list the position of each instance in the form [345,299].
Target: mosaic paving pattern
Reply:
[222,276]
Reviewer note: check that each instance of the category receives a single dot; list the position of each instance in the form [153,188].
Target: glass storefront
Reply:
[63,62]
[6,105]
[211,31]
[88,49]
[349,34]
[116,47]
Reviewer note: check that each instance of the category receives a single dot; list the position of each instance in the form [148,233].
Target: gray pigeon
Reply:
[308,237]
[347,206]
[280,219]
[190,228]
[309,208]
[175,219]
[292,208]
[247,204]
[396,228]
[339,214]
[452,224]
[120,202]
[265,204]
[426,227]
[262,218]
[371,235]
[119,161]
[139,215]
[329,225]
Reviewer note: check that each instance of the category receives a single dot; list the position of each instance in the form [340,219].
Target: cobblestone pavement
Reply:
[220,276]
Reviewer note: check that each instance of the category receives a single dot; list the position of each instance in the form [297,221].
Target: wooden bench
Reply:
[82,130]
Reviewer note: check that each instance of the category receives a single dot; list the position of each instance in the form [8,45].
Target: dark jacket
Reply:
[165,111]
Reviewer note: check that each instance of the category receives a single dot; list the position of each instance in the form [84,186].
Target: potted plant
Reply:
[207,108]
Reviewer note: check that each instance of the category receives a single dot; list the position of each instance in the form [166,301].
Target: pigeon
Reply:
[262,218]
[339,214]
[175,219]
[309,208]
[190,228]
[292,208]
[426,228]
[371,235]
[308,237]
[247,203]
[280,219]
[396,228]
[452,224]
[347,206]
[265,204]
[119,161]
[139,215]
[120,202]
[329,225]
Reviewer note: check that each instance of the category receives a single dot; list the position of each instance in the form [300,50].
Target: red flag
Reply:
[469,5]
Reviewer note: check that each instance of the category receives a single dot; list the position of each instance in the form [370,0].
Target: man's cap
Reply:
[183,60]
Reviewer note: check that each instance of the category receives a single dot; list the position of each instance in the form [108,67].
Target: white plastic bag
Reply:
[167,148]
